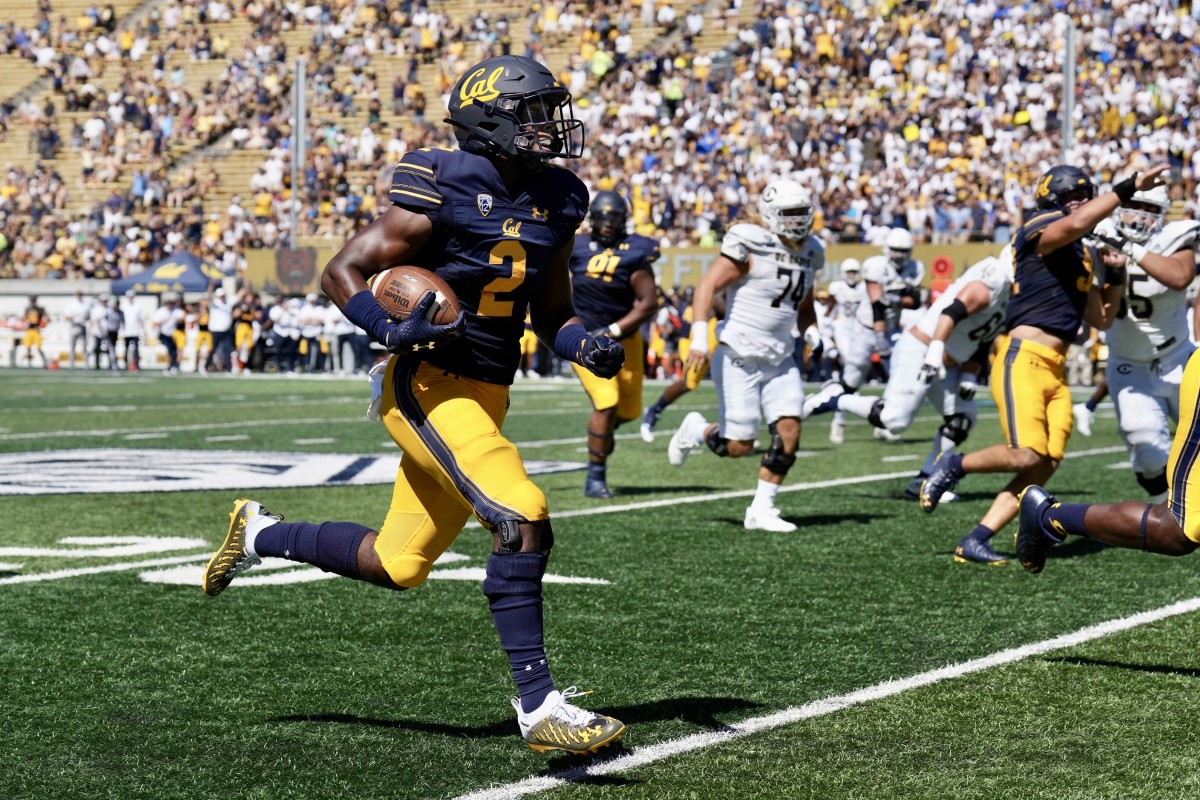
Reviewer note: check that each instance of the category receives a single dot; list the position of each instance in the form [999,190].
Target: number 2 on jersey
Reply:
[792,293]
[489,306]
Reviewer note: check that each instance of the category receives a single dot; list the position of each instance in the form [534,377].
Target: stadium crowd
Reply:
[934,116]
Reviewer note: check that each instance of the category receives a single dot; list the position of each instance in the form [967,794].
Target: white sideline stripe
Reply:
[643,756]
[71,573]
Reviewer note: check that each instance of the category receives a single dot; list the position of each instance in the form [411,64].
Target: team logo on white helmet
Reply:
[1143,215]
[786,209]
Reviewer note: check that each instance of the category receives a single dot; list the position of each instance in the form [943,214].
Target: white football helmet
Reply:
[786,209]
[898,247]
[851,269]
[1144,215]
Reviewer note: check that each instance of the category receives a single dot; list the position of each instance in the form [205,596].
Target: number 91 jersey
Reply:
[761,306]
[600,277]
[1152,320]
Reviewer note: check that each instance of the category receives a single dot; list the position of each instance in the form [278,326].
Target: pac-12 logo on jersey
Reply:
[484,201]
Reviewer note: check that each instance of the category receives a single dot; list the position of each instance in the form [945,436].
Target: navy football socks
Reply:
[982,533]
[514,591]
[1061,519]
[332,546]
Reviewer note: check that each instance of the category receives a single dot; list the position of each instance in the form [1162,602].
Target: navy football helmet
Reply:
[512,106]
[1055,185]
[609,214]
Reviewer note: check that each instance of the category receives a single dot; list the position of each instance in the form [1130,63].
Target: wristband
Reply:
[934,356]
[568,342]
[1137,252]
[1126,189]
[614,331]
[699,337]
[364,311]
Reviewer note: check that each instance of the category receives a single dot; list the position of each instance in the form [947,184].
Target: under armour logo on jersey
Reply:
[484,201]
[541,213]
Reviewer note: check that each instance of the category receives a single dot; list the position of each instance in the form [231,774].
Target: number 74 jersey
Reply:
[761,306]
[1152,320]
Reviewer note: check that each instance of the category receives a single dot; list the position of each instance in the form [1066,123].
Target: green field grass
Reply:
[116,687]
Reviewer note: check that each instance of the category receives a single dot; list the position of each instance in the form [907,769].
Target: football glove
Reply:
[883,345]
[967,387]
[602,356]
[416,333]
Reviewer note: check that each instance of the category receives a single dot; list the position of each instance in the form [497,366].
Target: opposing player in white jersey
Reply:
[869,332]
[937,359]
[1148,343]
[848,293]
[898,249]
[767,273]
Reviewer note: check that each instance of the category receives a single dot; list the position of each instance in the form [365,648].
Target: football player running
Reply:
[612,285]
[848,293]
[937,359]
[1148,344]
[876,318]
[497,222]
[766,272]
[1055,287]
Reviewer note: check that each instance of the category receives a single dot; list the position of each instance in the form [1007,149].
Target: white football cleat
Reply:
[1083,418]
[647,433]
[767,519]
[884,435]
[688,437]
[558,725]
[837,432]
[823,400]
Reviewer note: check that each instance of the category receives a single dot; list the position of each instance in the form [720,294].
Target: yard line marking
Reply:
[103,433]
[643,756]
[313,441]
[894,459]
[71,573]
[235,437]
[139,436]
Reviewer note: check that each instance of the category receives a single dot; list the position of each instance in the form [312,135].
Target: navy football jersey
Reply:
[1049,292]
[600,277]
[491,247]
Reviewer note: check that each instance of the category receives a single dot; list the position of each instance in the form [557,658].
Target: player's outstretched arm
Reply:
[554,321]
[1079,223]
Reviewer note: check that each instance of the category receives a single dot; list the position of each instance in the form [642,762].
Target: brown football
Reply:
[399,289]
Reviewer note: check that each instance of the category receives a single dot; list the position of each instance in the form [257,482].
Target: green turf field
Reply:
[799,665]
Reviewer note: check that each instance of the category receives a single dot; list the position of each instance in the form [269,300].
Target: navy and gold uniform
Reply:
[1183,469]
[447,406]
[35,320]
[1028,379]
[495,220]
[490,247]
[603,293]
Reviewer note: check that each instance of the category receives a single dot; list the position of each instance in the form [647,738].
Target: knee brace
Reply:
[775,460]
[715,443]
[876,415]
[956,427]
[1153,484]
